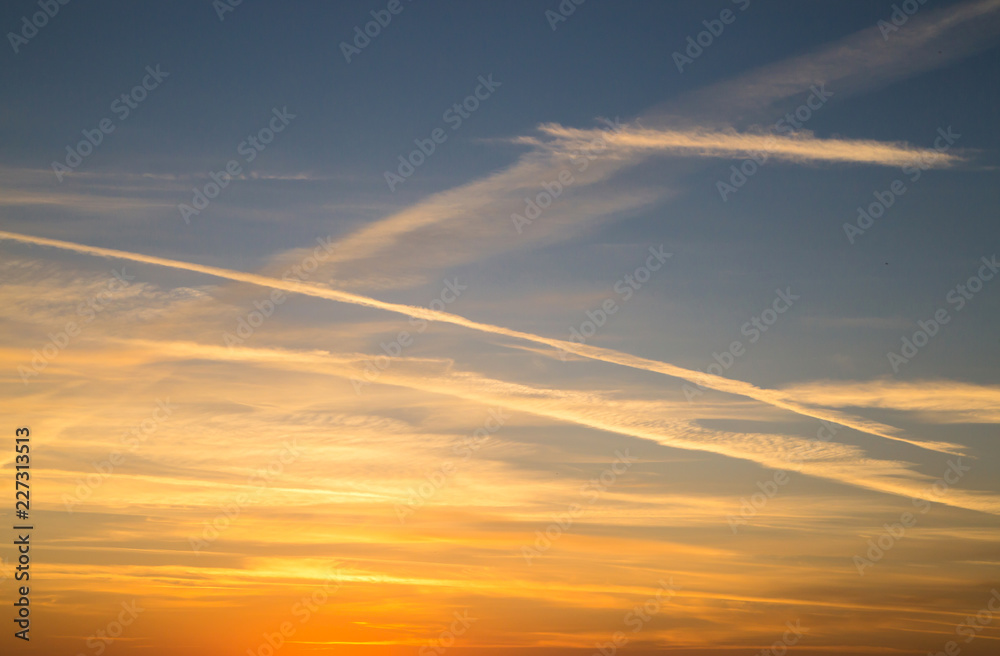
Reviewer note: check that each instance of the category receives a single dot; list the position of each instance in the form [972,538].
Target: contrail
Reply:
[719,383]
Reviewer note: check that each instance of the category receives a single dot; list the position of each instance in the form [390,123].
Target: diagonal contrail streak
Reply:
[772,397]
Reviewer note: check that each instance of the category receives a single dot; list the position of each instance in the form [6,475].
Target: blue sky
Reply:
[490,298]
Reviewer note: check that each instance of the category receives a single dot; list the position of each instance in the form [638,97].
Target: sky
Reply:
[534,327]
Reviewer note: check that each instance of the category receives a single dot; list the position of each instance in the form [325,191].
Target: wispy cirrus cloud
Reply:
[699,124]
[651,420]
[933,38]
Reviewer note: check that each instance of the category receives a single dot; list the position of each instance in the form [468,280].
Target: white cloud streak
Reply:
[772,397]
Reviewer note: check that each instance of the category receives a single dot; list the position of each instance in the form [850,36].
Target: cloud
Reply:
[472,212]
[772,397]
[862,61]
[649,420]
[939,401]
[476,217]
[799,148]
[93,204]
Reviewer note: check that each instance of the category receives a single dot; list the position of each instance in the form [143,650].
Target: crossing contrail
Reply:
[772,397]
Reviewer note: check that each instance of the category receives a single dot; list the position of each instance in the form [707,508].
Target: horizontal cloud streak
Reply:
[643,419]
[944,401]
[799,147]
